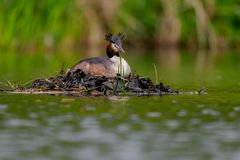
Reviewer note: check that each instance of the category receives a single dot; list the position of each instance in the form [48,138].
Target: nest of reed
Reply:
[80,84]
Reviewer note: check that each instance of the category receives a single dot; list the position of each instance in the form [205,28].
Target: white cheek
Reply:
[115,48]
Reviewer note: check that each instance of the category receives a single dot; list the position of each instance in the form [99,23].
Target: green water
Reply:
[178,127]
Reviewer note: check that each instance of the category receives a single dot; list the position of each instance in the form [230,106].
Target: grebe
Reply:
[108,66]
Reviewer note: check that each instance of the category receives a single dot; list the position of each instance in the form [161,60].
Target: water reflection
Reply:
[169,59]
[205,64]
[118,98]
[192,67]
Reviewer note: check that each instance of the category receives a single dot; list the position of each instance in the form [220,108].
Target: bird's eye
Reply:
[116,46]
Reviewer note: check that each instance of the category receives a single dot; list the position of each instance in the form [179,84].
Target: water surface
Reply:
[187,127]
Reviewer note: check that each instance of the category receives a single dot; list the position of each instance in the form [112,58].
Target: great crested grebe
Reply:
[108,66]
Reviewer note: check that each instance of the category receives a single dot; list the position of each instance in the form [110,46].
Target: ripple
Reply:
[123,128]
[172,123]
[154,114]
[33,115]
[52,103]
[232,114]
[89,108]
[15,123]
[182,113]
[3,107]
[106,116]
[195,121]
[67,100]
[200,105]
[210,112]
[237,109]
[174,101]
[134,117]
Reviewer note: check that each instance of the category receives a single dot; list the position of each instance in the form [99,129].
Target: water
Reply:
[178,127]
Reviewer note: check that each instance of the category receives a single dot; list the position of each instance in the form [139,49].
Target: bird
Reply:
[109,66]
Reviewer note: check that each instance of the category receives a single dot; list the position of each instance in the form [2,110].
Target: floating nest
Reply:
[80,84]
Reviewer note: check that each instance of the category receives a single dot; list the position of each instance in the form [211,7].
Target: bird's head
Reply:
[115,44]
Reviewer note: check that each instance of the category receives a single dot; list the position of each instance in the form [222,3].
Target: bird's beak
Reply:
[122,50]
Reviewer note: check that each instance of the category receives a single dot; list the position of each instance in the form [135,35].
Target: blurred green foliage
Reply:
[57,24]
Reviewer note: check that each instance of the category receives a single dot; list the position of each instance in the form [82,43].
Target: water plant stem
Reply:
[156,73]
[122,75]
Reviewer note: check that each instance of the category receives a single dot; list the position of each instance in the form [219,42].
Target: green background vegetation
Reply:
[70,25]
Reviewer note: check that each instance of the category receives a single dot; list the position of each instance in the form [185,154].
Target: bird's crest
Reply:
[115,39]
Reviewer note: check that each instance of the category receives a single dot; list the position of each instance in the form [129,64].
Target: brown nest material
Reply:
[81,84]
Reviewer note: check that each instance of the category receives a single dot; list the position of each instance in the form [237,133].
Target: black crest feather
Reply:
[115,39]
